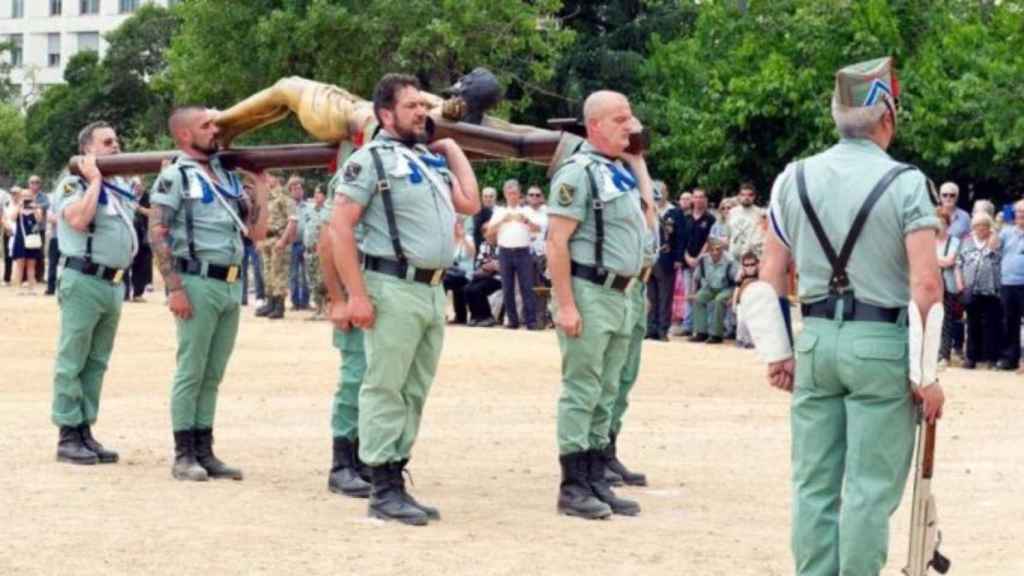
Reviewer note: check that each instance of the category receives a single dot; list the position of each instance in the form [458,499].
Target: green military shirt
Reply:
[217,223]
[424,213]
[280,210]
[719,275]
[113,240]
[838,181]
[625,228]
[312,220]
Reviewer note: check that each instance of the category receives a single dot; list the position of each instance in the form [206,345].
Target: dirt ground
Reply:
[711,436]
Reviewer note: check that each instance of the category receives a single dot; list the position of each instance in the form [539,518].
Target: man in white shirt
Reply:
[511,228]
[537,212]
[745,224]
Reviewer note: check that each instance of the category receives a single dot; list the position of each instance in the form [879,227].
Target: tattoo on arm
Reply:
[161,241]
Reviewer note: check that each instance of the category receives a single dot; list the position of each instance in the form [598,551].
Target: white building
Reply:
[47,33]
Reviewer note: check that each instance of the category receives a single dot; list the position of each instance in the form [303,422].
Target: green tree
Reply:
[352,44]
[17,155]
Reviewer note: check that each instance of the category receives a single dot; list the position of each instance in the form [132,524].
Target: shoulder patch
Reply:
[352,171]
[69,189]
[566,193]
[164,186]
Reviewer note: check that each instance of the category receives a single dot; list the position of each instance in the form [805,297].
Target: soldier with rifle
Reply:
[853,412]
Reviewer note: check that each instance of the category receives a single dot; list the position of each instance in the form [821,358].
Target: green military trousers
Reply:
[402,351]
[345,407]
[852,424]
[205,342]
[631,369]
[592,366]
[710,303]
[90,309]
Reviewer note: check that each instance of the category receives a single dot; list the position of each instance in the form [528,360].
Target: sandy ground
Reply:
[712,437]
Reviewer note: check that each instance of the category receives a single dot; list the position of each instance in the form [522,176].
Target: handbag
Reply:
[34,240]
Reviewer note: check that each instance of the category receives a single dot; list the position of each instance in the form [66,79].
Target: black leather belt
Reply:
[853,311]
[400,270]
[112,275]
[606,279]
[227,274]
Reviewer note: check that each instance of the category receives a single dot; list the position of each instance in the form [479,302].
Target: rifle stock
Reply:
[925,536]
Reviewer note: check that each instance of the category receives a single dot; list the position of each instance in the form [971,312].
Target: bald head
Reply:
[599,103]
[610,121]
[194,130]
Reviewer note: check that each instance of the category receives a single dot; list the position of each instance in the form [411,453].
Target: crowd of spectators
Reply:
[707,256]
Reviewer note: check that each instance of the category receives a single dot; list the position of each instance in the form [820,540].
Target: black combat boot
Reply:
[278,311]
[361,468]
[387,500]
[611,455]
[72,449]
[431,512]
[268,306]
[603,490]
[575,497]
[105,456]
[344,477]
[185,465]
[204,455]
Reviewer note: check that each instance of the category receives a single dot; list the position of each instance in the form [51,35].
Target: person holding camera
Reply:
[24,221]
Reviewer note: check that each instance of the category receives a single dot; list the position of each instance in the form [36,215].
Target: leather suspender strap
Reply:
[384,189]
[840,281]
[598,206]
[190,233]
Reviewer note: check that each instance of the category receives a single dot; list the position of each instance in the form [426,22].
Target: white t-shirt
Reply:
[514,233]
[539,217]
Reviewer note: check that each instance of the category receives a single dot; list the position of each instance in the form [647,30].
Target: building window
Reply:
[88,41]
[16,49]
[88,7]
[17,8]
[56,7]
[128,6]
[53,50]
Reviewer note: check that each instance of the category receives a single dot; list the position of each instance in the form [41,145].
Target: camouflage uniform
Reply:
[282,210]
[313,220]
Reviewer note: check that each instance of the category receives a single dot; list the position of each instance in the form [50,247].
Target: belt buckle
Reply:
[436,278]
[118,276]
[232,275]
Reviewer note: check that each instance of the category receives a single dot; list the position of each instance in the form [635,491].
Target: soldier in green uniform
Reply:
[200,213]
[601,214]
[282,224]
[348,475]
[616,472]
[406,195]
[715,278]
[861,230]
[314,216]
[97,238]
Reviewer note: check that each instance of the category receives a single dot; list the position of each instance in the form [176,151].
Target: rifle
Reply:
[925,536]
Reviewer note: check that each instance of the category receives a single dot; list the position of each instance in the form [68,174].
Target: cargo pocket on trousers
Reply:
[804,346]
[882,367]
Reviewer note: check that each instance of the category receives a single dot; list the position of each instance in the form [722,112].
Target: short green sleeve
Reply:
[917,210]
[356,178]
[70,189]
[569,193]
[167,188]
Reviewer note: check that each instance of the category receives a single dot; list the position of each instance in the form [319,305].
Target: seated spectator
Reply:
[485,281]
[714,280]
[748,275]
[978,275]
[456,278]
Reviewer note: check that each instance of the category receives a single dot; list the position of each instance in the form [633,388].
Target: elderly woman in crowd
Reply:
[24,221]
[978,278]
[946,248]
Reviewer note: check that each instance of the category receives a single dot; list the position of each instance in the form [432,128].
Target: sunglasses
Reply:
[948,195]
[533,195]
[750,264]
